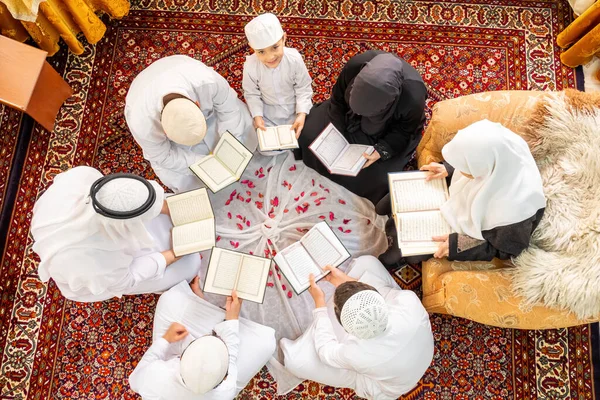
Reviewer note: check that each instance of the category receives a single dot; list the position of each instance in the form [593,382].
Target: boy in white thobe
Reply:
[104,236]
[384,344]
[276,83]
[162,374]
[191,135]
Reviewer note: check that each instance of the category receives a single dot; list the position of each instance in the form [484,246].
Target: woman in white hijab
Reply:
[100,237]
[496,195]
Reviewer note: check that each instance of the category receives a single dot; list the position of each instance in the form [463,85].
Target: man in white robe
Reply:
[171,152]
[383,346]
[108,241]
[163,372]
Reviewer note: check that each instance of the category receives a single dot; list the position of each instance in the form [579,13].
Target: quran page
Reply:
[189,207]
[252,280]
[320,249]
[296,264]
[212,173]
[222,272]
[329,145]
[422,226]
[351,157]
[269,139]
[287,137]
[232,154]
[412,193]
[193,237]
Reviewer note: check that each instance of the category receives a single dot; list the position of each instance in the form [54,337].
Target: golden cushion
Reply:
[509,107]
[478,290]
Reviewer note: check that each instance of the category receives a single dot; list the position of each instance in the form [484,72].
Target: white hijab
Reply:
[507,186]
[64,219]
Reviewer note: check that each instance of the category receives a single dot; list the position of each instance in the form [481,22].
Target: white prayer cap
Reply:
[183,122]
[263,31]
[365,314]
[122,196]
[204,364]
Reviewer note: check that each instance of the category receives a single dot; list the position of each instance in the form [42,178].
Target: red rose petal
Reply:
[347,220]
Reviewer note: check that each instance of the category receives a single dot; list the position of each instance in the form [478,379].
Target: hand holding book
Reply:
[298,124]
[438,171]
[444,246]
[316,292]
[371,158]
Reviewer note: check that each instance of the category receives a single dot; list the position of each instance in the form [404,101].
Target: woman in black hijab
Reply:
[378,100]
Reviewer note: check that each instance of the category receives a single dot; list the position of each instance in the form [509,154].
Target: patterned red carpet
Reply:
[57,349]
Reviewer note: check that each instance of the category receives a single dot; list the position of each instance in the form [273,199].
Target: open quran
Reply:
[193,221]
[229,270]
[225,165]
[318,248]
[416,211]
[280,137]
[339,156]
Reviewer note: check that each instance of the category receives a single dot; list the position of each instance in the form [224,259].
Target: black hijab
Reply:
[375,92]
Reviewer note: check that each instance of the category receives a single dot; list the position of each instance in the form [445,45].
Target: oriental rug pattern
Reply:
[56,349]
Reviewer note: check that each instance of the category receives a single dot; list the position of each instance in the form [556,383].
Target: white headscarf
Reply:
[64,219]
[507,186]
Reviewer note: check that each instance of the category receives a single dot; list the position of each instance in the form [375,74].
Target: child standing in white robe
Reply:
[383,345]
[277,85]
[182,316]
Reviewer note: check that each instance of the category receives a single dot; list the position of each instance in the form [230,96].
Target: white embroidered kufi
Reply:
[263,31]
[365,314]
[183,122]
[204,364]
[123,194]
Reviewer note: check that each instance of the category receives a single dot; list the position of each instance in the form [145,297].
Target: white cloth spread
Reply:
[383,367]
[218,101]
[277,94]
[507,186]
[157,376]
[275,202]
[94,258]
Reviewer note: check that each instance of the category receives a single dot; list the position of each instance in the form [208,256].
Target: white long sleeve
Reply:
[229,332]
[228,109]
[151,266]
[137,379]
[252,90]
[330,351]
[302,88]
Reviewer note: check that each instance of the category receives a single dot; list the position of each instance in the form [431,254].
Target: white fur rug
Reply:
[561,268]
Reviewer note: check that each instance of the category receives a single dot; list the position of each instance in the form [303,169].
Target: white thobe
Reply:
[384,367]
[157,375]
[111,273]
[218,101]
[277,94]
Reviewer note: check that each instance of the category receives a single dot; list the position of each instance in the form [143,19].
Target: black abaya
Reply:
[395,143]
